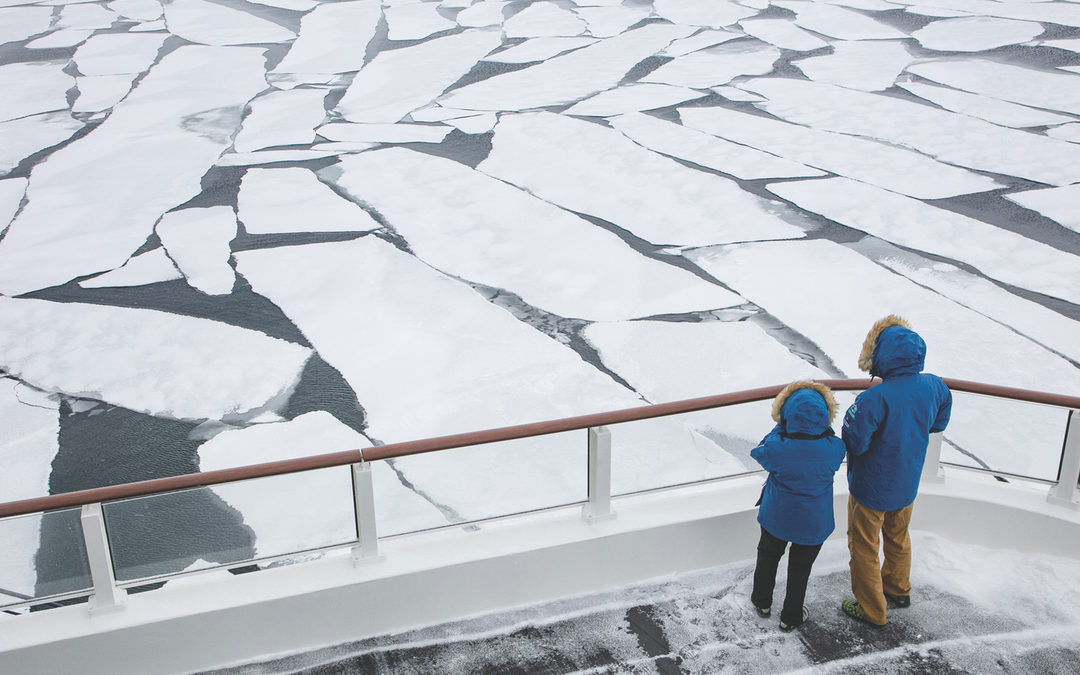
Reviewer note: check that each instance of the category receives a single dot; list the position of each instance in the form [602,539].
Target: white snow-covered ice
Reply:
[294,200]
[1057,203]
[197,240]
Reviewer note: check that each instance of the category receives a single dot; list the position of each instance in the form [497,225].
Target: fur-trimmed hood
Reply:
[805,407]
[892,347]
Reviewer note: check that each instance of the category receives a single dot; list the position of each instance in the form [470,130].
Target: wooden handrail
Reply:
[404,449]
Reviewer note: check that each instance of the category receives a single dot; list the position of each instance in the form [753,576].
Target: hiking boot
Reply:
[787,628]
[763,612]
[852,609]
[899,601]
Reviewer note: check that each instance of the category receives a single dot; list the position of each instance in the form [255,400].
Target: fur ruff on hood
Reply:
[782,397]
[866,356]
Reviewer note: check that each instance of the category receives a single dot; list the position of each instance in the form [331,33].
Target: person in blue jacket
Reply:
[801,454]
[886,432]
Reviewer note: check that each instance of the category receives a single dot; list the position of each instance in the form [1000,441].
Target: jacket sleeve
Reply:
[762,453]
[860,422]
[944,412]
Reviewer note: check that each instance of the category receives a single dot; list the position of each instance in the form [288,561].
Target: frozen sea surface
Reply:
[228,224]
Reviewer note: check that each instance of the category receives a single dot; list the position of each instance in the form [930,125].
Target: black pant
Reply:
[800,560]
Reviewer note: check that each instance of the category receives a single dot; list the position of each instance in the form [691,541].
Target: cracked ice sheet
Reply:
[101,92]
[93,17]
[1058,204]
[20,23]
[413,21]
[709,151]
[1066,132]
[869,65]
[281,118]
[567,78]
[139,10]
[11,194]
[946,136]
[213,24]
[975,34]
[1036,88]
[997,253]
[797,283]
[543,20]
[65,37]
[146,268]
[482,14]
[716,65]
[162,364]
[93,202]
[702,40]
[990,109]
[294,200]
[399,81]
[198,241]
[839,22]
[632,98]
[709,13]
[118,53]
[1062,13]
[611,21]
[477,228]
[385,133]
[539,49]
[42,88]
[591,169]
[25,136]
[887,166]
[782,33]
[333,38]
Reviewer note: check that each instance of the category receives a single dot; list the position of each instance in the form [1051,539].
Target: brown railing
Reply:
[392,450]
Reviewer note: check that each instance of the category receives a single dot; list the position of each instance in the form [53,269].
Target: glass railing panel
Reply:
[1024,439]
[230,524]
[479,482]
[42,555]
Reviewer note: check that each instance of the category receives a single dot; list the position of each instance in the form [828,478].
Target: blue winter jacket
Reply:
[887,429]
[801,455]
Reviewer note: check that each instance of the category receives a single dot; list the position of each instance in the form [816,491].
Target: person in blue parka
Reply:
[801,454]
[886,432]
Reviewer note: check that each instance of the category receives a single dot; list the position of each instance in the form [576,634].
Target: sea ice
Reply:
[710,13]
[883,165]
[736,94]
[118,53]
[139,10]
[93,17]
[480,229]
[261,157]
[1055,203]
[147,27]
[65,37]
[42,88]
[1072,45]
[209,23]
[482,14]
[1062,13]
[1036,88]
[413,21]
[543,19]
[539,49]
[281,118]
[869,65]
[384,133]
[1066,132]
[295,5]
[632,98]
[146,268]
[398,81]
[952,138]
[11,195]
[21,23]
[83,215]
[700,40]
[717,65]
[293,200]
[437,113]
[197,240]
[333,38]
[985,108]
[613,20]
[475,124]
[797,283]
[159,363]
[591,169]
[997,253]
[566,78]
[709,151]
[782,33]
[975,33]
[27,135]
[839,22]
[100,92]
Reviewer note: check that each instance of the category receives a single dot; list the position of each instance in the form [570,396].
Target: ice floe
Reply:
[839,22]
[782,33]
[952,138]
[543,19]
[1066,132]
[281,118]
[1037,88]
[700,40]
[260,157]
[118,53]
[1063,13]
[295,5]
[475,124]
[27,135]
[21,23]
[482,14]
[914,224]
[1072,45]
[480,229]
[869,65]
[591,169]
[293,200]
[398,81]
[632,98]
[100,92]
[384,133]
[209,23]
[1055,203]
[333,38]
[413,21]
[797,283]
[975,33]
[717,65]
[91,16]
[709,151]
[11,194]
[82,215]
[65,37]
[711,13]
[566,78]
[42,88]
[139,10]
[984,107]
[612,20]
[887,166]
[197,240]
[145,360]
[539,49]
[151,267]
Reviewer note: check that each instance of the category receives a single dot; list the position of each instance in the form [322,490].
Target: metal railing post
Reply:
[367,550]
[599,504]
[931,472]
[107,596]
[1069,472]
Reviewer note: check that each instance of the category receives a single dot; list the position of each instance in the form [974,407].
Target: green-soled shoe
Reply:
[898,601]
[852,609]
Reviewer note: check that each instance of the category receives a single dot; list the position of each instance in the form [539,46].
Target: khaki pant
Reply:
[869,582]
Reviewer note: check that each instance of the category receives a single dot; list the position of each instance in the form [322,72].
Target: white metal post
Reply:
[106,595]
[1065,490]
[367,550]
[599,505]
[931,472]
